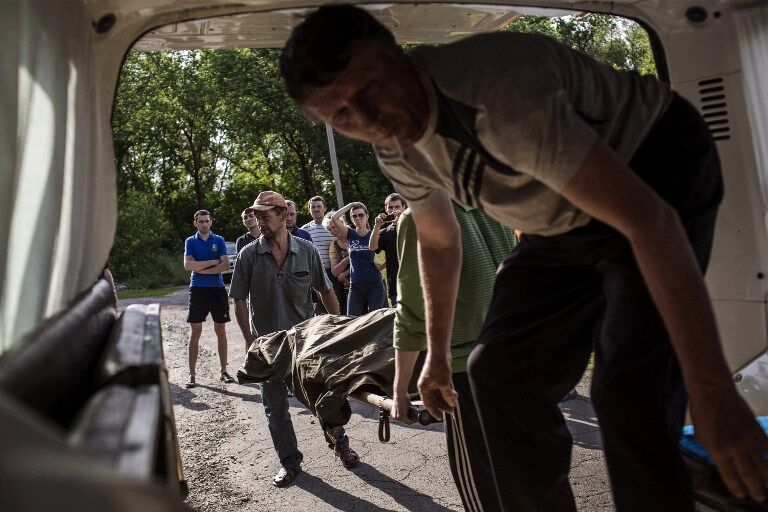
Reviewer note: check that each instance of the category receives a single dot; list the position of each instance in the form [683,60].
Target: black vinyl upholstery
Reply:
[52,369]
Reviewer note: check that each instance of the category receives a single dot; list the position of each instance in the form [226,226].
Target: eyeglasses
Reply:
[357,215]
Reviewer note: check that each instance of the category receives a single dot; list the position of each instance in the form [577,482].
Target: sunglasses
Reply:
[357,215]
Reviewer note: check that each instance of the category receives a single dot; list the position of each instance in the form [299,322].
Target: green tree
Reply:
[616,41]
[145,245]
[212,128]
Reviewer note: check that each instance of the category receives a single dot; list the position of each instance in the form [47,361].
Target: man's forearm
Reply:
[669,268]
[441,286]
[216,269]
[199,266]
[405,362]
[243,320]
[330,301]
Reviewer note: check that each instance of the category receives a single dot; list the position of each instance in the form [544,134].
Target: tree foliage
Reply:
[616,41]
[210,129]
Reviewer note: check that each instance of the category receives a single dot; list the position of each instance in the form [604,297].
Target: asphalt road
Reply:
[229,460]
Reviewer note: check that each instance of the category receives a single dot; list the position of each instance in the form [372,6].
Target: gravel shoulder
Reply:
[229,460]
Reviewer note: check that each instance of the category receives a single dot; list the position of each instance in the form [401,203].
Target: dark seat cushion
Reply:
[121,426]
[51,370]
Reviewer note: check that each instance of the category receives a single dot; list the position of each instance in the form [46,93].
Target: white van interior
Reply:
[60,62]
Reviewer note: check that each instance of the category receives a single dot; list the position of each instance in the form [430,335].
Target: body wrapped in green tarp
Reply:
[325,359]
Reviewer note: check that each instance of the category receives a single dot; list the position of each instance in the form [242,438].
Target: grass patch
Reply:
[141,294]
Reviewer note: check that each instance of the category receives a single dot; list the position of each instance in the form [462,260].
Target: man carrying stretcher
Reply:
[484,243]
[615,181]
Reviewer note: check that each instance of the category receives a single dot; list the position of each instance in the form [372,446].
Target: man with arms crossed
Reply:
[276,272]
[205,255]
[484,243]
[615,181]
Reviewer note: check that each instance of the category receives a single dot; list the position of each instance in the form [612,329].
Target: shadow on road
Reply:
[336,498]
[401,493]
[186,398]
[246,397]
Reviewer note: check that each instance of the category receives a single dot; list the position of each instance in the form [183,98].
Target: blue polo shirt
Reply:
[297,231]
[202,250]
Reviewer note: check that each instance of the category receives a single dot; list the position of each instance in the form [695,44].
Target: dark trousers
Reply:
[558,298]
[467,454]
[341,296]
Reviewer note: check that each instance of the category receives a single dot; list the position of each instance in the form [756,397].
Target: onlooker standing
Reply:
[290,222]
[484,244]
[339,256]
[276,272]
[322,239]
[366,289]
[205,255]
[249,221]
[386,240]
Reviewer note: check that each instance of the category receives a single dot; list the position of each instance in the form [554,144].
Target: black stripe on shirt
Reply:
[467,175]
[479,183]
[456,167]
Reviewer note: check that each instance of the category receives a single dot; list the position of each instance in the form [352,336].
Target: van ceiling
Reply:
[411,23]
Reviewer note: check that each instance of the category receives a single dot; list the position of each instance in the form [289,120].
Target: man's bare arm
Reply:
[330,301]
[405,361]
[190,265]
[221,266]
[612,193]
[244,321]
[439,264]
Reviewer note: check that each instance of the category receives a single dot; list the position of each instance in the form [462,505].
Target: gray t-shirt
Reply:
[512,118]
[279,298]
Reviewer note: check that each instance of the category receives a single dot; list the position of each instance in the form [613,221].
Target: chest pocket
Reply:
[298,281]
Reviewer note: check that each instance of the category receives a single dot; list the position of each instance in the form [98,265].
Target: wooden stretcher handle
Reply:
[420,416]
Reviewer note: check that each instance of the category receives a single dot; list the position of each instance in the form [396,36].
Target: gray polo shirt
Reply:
[279,298]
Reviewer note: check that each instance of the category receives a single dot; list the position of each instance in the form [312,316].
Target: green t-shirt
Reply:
[484,244]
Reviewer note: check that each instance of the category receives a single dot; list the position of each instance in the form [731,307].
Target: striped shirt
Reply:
[484,244]
[322,239]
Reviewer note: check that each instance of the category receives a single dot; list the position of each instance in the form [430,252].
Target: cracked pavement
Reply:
[229,461]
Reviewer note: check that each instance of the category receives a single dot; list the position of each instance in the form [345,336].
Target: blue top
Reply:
[297,231]
[362,267]
[202,250]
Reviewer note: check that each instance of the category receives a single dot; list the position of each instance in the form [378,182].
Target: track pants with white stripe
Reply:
[467,454]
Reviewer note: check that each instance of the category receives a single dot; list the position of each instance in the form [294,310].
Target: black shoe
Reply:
[285,476]
[191,382]
[348,456]
[226,378]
